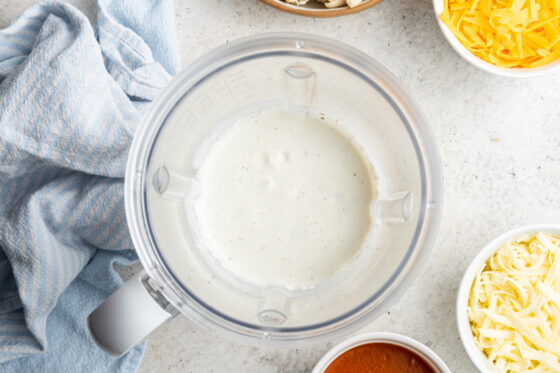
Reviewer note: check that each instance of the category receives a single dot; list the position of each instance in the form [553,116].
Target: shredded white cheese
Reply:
[514,305]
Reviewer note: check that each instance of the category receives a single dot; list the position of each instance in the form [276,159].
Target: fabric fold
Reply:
[71,96]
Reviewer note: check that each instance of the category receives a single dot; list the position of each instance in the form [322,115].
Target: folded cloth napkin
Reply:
[71,96]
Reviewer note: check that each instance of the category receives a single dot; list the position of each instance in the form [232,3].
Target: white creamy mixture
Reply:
[285,199]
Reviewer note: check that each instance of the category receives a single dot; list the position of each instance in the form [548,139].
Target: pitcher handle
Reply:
[128,316]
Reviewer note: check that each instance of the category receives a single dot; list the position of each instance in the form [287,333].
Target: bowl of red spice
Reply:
[381,352]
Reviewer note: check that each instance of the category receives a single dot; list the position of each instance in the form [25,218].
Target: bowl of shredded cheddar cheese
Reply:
[514,38]
[508,304]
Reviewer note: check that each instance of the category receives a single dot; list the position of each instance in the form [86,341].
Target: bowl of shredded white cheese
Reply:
[508,305]
[322,8]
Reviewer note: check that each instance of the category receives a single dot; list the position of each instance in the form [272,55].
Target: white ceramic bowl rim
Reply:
[413,345]
[486,66]
[477,357]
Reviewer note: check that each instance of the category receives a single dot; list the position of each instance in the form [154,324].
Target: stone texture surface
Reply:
[499,141]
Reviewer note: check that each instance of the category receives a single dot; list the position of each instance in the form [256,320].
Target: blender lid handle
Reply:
[128,316]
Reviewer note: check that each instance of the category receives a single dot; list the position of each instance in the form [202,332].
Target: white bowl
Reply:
[486,66]
[477,357]
[416,347]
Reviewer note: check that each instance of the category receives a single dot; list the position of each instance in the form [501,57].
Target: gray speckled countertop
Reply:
[499,140]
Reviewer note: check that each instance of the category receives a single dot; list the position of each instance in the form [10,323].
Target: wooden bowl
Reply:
[317,10]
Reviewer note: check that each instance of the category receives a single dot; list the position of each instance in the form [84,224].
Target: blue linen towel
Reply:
[71,96]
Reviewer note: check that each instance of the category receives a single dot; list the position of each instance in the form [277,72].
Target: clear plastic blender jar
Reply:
[296,72]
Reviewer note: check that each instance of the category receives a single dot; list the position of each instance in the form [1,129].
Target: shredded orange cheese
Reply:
[506,33]
[514,306]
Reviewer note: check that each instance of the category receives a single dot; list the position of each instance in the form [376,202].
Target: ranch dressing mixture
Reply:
[285,199]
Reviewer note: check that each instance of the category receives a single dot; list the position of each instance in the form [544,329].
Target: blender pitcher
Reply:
[300,73]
